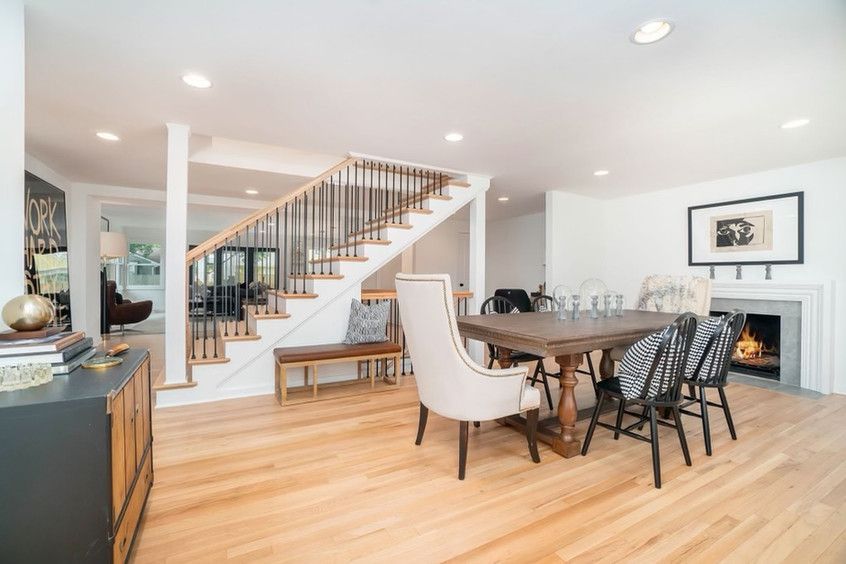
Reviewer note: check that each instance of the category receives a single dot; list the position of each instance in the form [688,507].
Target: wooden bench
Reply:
[315,355]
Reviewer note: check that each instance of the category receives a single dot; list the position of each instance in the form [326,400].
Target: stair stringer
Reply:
[250,370]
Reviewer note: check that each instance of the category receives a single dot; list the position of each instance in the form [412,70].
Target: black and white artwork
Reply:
[765,230]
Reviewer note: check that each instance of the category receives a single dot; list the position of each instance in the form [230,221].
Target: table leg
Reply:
[504,358]
[606,365]
[566,444]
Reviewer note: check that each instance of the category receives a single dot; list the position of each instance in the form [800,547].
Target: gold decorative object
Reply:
[102,362]
[29,312]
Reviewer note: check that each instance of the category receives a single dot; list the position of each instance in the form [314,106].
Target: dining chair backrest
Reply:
[516,296]
[713,364]
[448,381]
[668,367]
[497,305]
[543,303]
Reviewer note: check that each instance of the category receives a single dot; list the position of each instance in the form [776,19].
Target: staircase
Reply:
[286,274]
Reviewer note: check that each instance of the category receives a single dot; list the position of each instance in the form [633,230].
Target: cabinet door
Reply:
[146,378]
[138,379]
[118,455]
[129,430]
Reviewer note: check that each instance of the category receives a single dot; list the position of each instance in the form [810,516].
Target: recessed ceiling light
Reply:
[600,173]
[651,31]
[106,136]
[794,123]
[251,191]
[453,137]
[502,199]
[196,80]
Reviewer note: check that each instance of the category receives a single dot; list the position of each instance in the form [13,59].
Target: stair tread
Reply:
[382,225]
[359,243]
[290,296]
[341,258]
[316,276]
[400,211]
[242,333]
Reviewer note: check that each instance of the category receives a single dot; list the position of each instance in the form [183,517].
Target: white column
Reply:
[84,260]
[477,263]
[11,150]
[176,235]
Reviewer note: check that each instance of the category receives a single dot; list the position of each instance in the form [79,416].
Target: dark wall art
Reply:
[46,246]
[765,230]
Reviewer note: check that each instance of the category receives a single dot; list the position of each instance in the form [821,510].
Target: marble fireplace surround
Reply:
[817,329]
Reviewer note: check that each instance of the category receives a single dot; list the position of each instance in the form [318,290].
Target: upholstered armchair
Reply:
[449,382]
[124,312]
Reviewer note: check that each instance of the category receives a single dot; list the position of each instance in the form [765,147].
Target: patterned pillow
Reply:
[636,363]
[367,324]
[704,331]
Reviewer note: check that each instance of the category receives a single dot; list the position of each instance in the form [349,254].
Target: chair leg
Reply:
[476,424]
[594,418]
[532,433]
[656,455]
[421,424]
[644,416]
[692,389]
[727,411]
[535,373]
[592,374]
[463,432]
[490,363]
[682,437]
[545,381]
[706,425]
[619,422]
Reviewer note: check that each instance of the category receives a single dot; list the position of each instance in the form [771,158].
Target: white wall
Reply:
[645,234]
[515,253]
[11,149]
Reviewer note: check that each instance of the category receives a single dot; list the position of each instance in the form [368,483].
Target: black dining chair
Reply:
[708,367]
[654,383]
[516,296]
[547,303]
[501,305]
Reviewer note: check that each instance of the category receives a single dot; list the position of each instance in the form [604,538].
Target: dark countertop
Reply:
[82,383]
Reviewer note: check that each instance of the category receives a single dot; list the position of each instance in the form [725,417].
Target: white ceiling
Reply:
[544,92]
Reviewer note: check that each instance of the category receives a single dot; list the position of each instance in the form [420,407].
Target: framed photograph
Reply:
[765,230]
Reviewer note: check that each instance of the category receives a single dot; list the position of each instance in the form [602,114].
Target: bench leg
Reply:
[282,387]
[314,381]
[397,362]
[371,371]
[305,376]
[277,384]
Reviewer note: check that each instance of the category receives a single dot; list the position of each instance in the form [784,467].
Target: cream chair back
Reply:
[449,382]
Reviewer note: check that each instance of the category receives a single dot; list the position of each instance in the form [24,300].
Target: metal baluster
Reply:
[278,266]
[370,201]
[304,242]
[214,300]
[347,209]
[378,200]
[205,306]
[267,257]
[284,271]
[330,243]
[322,224]
[354,218]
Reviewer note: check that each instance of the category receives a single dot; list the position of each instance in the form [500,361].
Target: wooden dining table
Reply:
[544,335]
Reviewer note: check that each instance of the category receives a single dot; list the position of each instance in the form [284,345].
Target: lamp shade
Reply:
[112,245]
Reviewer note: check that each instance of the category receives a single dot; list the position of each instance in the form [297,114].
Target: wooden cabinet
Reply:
[77,465]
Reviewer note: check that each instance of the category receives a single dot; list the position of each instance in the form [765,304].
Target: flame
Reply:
[748,345]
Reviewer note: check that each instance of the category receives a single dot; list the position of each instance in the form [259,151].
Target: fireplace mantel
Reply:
[817,321]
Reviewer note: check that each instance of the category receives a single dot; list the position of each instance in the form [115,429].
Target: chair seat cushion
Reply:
[334,351]
[610,385]
[530,398]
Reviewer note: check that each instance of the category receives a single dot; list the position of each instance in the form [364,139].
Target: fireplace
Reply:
[757,351]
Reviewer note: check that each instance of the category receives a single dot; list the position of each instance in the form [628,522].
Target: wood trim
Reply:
[386,294]
[210,244]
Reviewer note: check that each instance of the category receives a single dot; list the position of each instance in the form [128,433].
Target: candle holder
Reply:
[575,302]
[608,311]
[594,307]
[619,306]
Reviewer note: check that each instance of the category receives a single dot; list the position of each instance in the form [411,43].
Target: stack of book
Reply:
[62,351]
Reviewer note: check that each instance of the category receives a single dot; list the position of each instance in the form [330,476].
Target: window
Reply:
[144,266]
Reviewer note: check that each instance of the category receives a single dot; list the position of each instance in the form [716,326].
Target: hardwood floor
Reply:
[341,480]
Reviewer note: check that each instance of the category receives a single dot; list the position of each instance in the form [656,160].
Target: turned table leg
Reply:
[606,365]
[504,358]
[566,444]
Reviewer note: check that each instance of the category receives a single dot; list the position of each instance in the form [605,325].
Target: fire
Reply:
[748,345]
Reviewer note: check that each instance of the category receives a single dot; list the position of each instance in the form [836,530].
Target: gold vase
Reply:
[29,312]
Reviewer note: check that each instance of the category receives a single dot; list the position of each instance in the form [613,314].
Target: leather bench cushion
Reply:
[334,351]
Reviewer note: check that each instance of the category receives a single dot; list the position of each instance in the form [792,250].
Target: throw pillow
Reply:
[635,366]
[367,324]
[704,333]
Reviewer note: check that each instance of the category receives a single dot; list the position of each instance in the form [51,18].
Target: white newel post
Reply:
[477,264]
[12,150]
[176,235]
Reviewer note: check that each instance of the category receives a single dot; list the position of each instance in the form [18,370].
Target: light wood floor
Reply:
[341,480]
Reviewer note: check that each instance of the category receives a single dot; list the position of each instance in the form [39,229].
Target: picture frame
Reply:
[762,230]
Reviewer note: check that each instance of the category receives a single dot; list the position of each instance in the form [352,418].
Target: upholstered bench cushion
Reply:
[334,351]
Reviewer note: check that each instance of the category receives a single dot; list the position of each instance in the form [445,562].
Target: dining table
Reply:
[567,340]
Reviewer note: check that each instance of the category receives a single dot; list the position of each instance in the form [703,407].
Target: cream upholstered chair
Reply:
[449,382]
[671,294]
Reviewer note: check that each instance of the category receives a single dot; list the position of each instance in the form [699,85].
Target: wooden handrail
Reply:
[386,294]
[210,244]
